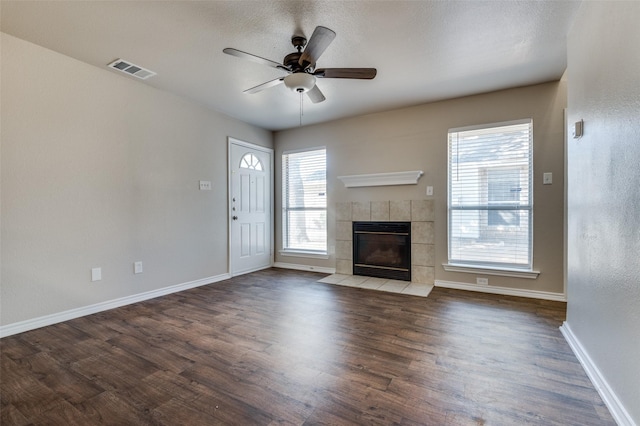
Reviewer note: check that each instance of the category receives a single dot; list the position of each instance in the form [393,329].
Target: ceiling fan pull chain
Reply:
[301,112]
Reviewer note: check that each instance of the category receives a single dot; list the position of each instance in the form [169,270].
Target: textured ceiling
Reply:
[423,50]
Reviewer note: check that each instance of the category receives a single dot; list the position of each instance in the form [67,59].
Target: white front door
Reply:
[250,207]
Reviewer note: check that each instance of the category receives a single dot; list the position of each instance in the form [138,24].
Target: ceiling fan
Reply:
[301,65]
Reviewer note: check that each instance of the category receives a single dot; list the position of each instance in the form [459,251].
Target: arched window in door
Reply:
[250,161]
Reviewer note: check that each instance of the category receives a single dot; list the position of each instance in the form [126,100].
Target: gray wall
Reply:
[99,170]
[604,198]
[416,139]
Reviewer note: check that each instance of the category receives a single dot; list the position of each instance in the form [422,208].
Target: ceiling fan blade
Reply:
[319,41]
[316,95]
[359,73]
[244,55]
[263,86]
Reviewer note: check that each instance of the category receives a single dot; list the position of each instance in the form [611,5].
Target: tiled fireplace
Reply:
[420,213]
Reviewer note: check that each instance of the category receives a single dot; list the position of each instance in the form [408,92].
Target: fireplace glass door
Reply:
[382,249]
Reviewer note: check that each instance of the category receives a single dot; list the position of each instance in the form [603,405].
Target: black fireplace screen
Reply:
[382,249]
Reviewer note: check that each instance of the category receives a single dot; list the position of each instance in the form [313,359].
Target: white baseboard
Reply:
[248,271]
[617,410]
[298,267]
[31,324]
[533,294]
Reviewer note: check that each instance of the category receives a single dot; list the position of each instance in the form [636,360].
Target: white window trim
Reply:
[502,272]
[304,253]
[488,125]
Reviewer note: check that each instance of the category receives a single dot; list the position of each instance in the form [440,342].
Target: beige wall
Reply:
[604,199]
[99,170]
[416,139]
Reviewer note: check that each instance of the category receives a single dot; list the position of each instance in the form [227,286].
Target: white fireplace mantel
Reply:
[382,179]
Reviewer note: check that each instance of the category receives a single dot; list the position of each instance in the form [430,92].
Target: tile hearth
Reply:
[380,284]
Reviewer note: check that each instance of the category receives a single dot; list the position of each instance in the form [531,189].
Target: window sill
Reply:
[503,272]
[303,253]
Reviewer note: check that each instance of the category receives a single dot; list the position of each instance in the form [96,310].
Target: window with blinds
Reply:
[304,204]
[490,196]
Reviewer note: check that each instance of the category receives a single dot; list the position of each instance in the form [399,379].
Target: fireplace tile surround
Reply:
[419,212]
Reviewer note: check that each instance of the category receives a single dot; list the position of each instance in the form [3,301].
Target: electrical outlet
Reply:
[96,274]
[205,185]
[137,268]
[482,281]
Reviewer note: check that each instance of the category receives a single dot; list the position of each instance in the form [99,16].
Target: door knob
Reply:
[235,218]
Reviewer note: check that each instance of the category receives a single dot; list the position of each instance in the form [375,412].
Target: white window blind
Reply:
[490,203]
[304,189]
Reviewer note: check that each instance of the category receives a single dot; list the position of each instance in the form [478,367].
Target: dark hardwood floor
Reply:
[276,347]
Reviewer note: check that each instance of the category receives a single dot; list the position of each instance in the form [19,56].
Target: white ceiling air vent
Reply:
[131,69]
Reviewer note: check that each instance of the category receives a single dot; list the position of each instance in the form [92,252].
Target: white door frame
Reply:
[269,151]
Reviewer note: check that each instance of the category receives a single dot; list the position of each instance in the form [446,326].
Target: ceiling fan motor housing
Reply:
[291,61]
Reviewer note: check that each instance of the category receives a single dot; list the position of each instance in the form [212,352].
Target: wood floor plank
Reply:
[265,401]
[16,348]
[154,354]
[23,390]
[60,379]
[10,415]
[62,414]
[217,402]
[277,347]
[176,412]
[108,408]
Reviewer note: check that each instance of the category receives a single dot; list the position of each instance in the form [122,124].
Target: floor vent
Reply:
[131,69]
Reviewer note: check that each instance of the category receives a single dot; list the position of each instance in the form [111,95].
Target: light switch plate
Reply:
[547,178]
[96,274]
[137,268]
[429,190]
[578,129]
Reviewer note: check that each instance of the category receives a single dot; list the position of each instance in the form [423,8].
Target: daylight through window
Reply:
[250,161]
[490,203]
[304,186]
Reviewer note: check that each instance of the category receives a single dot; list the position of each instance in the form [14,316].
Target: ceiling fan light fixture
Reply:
[300,82]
